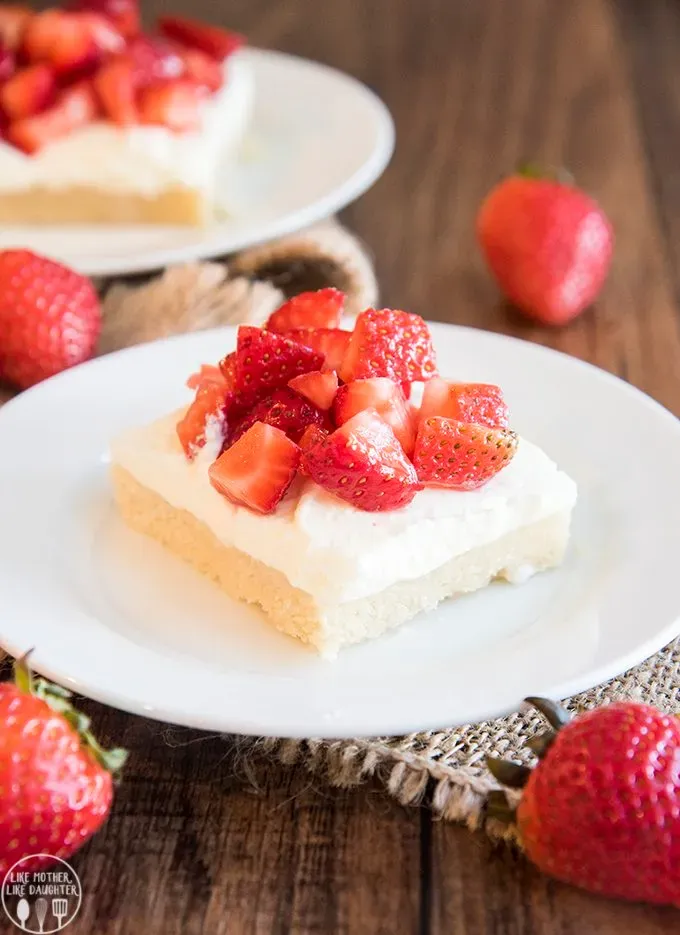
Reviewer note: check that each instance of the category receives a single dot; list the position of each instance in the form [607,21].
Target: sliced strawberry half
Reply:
[363,463]
[389,343]
[216,42]
[331,342]
[28,92]
[208,373]
[72,43]
[124,14]
[154,60]
[461,455]
[285,410]
[207,411]
[115,87]
[466,402]
[319,387]
[74,108]
[267,361]
[258,470]
[13,21]
[386,398]
[202,69]
[173,104]
[308,311]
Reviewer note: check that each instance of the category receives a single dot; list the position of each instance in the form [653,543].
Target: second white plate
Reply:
[318,140]
[113,616]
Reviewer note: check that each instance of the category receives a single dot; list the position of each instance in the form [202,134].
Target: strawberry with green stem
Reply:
[602,808]
[55,778]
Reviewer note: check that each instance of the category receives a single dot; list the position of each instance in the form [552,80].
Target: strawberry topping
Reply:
[319,387]
[285,410]
[124,14]
[308,310]
[28,92]
[207,374]
[202,69]
[460,455]
[389,343]
[13,21]
[363,463]
[386,398]
[154,60]
[267,361]
[207,412]
[258,469]
[331,342]
[215,42]
[115,87]
[175,105]
[73,108]
[466,402]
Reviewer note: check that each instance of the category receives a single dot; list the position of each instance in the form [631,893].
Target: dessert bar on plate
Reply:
[102,123]
[305,478]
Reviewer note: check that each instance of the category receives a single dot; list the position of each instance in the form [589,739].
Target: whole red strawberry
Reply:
[50,317]
[602,809]
[548,244]
[56,780]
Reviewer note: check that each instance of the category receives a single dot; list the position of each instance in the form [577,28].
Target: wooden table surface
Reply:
[195,843]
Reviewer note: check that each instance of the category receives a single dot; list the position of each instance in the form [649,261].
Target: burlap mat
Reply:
[445,767]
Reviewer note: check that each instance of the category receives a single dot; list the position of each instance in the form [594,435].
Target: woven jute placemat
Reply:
[444,767]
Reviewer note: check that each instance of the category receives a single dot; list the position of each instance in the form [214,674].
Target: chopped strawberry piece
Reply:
[363,463]
[202,69]
[7,62]
[284,409]
[460,455]
[331,342]
[465,402]
[72,43]
[406,389]
[267,361]
[174,104]
[216,42]
[155,60]
[386,398]
[205,414]
[228,368]
[115,87]
[28,92]
[311,436]
[258,470]
[319,386]
[207,374]
[73,108]
[13,22]
[124,14]
[308,311]
[389,343]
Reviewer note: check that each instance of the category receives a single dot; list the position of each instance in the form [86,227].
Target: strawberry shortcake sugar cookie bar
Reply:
[303,479]
[103,123]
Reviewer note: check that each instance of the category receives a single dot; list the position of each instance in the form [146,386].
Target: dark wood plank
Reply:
[485,888]
[198,844]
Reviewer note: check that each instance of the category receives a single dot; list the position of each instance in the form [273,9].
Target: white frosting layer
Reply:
[327,547]
[139,159]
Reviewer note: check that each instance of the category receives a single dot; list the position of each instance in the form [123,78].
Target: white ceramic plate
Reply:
[113,616]
[318,140]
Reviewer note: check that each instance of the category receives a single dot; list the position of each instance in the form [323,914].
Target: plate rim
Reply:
[226,722]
